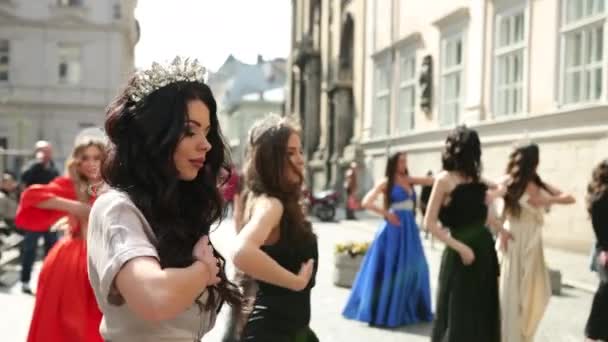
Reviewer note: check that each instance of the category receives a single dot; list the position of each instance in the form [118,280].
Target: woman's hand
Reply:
[393,219]
[304,275]
[505,236]
[203,252]
[602,259]
[467,255]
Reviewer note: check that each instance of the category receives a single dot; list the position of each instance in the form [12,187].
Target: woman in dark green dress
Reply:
[457,214]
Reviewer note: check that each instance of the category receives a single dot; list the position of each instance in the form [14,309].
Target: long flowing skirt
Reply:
[392,287]
[525,287]
[65,309]
[467,300]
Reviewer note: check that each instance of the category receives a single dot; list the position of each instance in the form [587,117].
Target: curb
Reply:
[579,285]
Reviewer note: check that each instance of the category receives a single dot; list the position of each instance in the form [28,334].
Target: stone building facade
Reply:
[325,86]
[511,69]
[61,63]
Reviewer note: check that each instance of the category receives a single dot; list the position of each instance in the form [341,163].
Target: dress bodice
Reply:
[401,199]
[528,212]
[291,259]
[278,306]
[466,206]
[398,194]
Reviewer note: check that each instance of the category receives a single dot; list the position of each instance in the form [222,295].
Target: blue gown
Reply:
[392,286]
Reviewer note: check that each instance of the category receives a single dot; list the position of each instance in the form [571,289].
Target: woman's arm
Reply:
[431,220]
[76,208]
[421,180]
[369,200]
[157,294]
[249,258]
[559,197]
[125,264]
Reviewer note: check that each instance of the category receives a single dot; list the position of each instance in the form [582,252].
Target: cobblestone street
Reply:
[564,320]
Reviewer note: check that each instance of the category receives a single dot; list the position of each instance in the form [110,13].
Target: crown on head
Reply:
[158,76]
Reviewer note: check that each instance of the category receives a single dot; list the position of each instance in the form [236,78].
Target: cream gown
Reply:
[525,287]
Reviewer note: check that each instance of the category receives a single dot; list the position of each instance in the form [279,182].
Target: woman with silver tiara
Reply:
[151,265]
[65,308]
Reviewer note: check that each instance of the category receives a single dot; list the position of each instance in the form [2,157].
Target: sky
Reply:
[210,30]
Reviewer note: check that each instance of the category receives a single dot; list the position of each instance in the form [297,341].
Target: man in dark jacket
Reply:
[41,170]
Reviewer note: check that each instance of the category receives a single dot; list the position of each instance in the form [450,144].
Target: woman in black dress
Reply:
[467,301]
[597,205]
[276,245]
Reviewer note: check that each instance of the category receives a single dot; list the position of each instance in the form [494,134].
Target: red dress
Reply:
[65,309]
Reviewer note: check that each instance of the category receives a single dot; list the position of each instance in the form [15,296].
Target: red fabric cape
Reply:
[34,219]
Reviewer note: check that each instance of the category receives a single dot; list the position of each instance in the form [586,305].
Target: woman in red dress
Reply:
[65,308]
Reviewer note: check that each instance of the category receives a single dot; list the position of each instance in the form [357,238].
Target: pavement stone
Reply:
[563,322]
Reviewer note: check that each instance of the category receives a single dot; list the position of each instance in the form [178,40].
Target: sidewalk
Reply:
[574,267]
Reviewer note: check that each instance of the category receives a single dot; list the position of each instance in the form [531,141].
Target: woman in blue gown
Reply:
[392,286]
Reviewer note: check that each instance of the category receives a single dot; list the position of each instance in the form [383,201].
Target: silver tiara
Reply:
[158,76]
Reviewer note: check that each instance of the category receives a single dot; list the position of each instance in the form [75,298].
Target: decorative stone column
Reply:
[342,132]
[311,110]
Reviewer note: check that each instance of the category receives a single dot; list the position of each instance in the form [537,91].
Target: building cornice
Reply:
[19,106]
[456,16]
[413,38]
[581,123]
[338,85]
[383,52]
[62,19]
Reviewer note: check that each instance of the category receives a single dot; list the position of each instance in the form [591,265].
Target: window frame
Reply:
[499,53]
[71,62]
[383,61]
[6,67]
[583,25]
[407,52]
[455,32]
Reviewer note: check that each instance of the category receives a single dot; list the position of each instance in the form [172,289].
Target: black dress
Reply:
[280,314]
[597,324]
[467,300]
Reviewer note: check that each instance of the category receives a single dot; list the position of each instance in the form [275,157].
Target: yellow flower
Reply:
[352,248]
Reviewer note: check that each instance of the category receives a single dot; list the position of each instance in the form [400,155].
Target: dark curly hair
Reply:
[265,170]
[462,153]
[598,187]
[522,165]
[143,139]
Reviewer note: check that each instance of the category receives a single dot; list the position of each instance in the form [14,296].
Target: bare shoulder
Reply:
[268,204]
[382,183]
[446,181]
[444,177]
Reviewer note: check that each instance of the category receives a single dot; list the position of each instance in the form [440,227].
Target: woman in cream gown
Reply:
[525,287]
